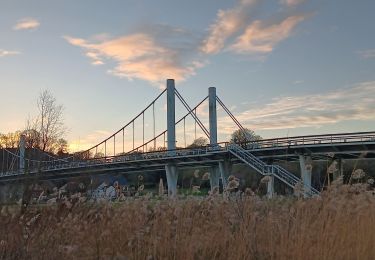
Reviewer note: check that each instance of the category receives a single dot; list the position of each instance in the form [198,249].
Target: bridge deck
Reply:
[347,146]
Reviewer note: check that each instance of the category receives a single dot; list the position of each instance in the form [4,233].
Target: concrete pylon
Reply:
[271,187]
[225,168]
[171,116]
[338,168]
[214,176]
[306,172]
[172,176]
[215,172]
[22,152]
[212,115]
[171,169]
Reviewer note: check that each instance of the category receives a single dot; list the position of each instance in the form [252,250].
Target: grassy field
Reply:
[338,225]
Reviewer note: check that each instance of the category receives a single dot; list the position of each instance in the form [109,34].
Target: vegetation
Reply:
[45,131]
[241,226]
[10,140]
[240,136]
[199,142]
[47,127]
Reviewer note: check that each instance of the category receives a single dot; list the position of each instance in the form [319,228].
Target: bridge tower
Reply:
[214,172]
[223,169]
[170,168]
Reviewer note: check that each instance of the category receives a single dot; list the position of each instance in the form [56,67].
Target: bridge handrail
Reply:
[265,169]
[224,145]
[309,139]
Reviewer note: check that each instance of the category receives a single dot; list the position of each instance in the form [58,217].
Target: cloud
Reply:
[262,37]
[354,103]
[152,55]
[157,52]
[244,35]
[367,54]
[291,2]
[228,22]
[297,82]
[4,53]
[26,24]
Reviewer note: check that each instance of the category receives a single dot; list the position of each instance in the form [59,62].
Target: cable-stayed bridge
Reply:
[120,152]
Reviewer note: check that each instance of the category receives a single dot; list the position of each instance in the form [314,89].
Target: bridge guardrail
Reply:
[223,146]
[265,143]
[310,140]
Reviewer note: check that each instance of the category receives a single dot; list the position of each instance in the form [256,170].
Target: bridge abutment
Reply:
[306,172]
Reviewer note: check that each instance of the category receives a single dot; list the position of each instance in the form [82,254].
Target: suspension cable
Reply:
[154,123]
[230,114]
[185,132]
[165,131]
[130,122]
[204,129]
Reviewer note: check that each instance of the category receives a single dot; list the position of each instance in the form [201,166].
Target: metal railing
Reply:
[257,164]
[342,138]
[273,170]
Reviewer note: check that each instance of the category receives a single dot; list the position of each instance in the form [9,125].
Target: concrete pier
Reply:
[225,168]
[271,187]
[306,172]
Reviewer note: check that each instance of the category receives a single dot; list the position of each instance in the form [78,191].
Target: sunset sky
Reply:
[284,67]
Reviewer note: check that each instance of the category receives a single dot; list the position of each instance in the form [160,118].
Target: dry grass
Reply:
[339,225]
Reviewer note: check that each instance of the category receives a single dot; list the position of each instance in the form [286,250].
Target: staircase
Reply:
[275,170]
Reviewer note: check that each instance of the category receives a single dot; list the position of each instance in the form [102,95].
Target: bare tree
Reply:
[48,127]
[31,134]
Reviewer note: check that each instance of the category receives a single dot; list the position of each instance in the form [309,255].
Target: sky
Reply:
[283,67]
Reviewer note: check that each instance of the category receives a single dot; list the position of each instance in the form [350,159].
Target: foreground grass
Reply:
[339,225]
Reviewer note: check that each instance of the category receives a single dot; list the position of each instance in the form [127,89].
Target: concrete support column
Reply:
[22,153]
[341,167]
[214,177]
[171,169]
[306,172]
[172,176]
[271,187]
[335,169]
[225,168]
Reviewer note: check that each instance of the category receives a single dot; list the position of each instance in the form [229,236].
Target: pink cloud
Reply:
[26,24]
[260,37]
[139,56]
